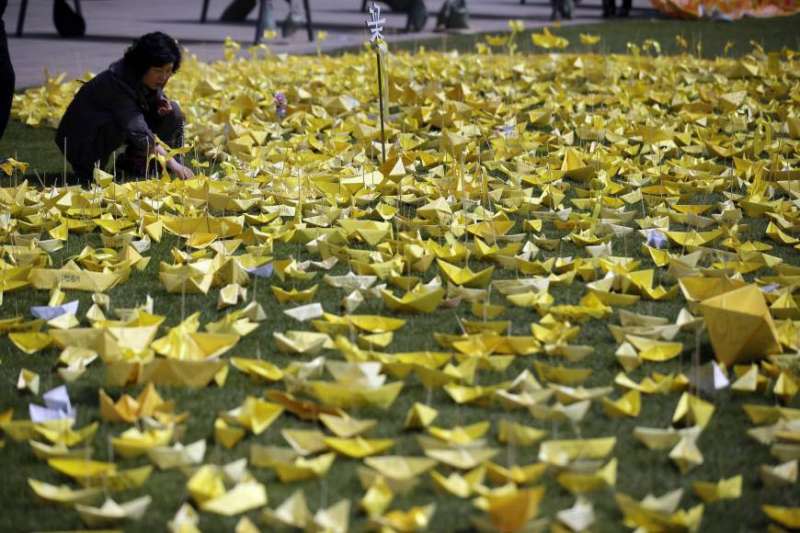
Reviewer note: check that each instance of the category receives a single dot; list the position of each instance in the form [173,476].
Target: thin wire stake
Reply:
[380,104]
[64,172]
[375,26]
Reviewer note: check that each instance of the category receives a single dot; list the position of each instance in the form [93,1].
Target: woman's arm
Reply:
[130,118]
[173,165]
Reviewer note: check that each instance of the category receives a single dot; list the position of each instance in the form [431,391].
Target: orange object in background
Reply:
[727,9]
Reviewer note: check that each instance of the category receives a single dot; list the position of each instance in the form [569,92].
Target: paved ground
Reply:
[112,24]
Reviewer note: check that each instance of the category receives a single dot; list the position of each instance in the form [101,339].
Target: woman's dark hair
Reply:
[152,50]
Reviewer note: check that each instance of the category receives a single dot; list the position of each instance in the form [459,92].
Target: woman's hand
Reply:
[164,107]
[174,166]
[179,170]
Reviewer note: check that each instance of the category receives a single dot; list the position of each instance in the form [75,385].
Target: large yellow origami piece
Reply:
[740,325]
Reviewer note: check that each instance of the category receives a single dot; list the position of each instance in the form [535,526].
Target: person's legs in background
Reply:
[566,9]
[561,9]
[237,10]
[293,21]
[6,74]
[417,13]
[417,16]
[555,9]
[454,15]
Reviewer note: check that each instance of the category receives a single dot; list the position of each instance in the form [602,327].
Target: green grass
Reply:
[36,146]
[727,449]
[640,471]
[706,38]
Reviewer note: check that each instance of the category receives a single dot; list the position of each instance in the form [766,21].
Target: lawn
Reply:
[706,38]
[656,134]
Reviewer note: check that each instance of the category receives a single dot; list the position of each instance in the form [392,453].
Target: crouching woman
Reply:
[125,104]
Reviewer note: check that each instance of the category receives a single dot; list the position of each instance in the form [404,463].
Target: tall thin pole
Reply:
[380,103]
[375,25]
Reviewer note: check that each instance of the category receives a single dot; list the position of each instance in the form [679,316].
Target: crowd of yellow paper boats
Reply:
[633,178]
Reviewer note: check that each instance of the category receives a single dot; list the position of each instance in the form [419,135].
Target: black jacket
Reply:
[116,103]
